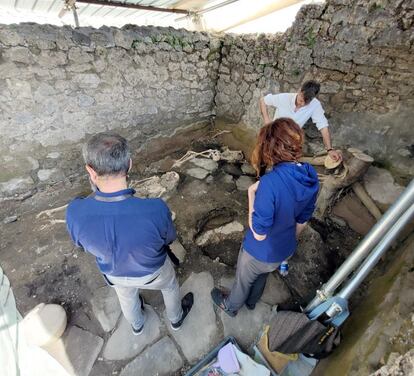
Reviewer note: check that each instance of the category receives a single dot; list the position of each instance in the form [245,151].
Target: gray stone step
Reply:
[123,344]
[247,325]
[198,335]
[161,359]
[106,308]
[76,351]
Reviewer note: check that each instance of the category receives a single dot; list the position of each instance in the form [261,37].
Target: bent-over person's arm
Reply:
[319,118]
[263,111]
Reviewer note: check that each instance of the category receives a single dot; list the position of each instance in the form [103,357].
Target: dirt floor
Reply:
[43,265]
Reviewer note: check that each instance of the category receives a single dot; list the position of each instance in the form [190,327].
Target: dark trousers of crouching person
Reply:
[248,287]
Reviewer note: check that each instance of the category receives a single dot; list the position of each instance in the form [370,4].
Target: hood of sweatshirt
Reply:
[300,179]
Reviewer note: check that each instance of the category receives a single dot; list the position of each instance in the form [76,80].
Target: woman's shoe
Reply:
[219,300]
[250,307]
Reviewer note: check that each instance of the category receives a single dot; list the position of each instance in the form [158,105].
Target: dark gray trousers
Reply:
[251,275]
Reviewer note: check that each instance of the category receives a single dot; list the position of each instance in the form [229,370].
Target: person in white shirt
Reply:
[300,107]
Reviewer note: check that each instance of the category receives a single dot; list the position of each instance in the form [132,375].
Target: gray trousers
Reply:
[164,279]
[250,280]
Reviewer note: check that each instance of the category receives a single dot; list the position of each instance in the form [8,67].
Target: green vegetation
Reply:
[212,54]
[279,49]
[311,38]
[135,42]
[376,6]
[172,40]
[267,65]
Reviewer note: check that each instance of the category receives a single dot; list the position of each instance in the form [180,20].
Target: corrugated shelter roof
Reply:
[93,12]
[218,15]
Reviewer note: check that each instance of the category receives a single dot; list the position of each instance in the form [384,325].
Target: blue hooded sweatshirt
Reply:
[285,196]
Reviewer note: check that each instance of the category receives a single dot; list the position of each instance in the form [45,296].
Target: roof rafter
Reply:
[132,6]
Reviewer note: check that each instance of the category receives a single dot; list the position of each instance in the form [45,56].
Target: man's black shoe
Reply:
[186,304]
[250,307]
[137,331]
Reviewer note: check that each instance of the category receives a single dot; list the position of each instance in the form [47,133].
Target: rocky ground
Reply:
[378,336]
[209,202]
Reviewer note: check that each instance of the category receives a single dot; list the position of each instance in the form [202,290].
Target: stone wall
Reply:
[58,85]
[362,53]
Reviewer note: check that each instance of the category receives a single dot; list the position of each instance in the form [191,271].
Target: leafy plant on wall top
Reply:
[172,40]
[311,38]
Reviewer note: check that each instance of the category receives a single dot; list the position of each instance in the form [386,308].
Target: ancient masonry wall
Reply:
[59,85]
[362,53]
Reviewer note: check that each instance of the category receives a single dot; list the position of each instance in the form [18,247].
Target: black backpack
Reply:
[293,332]
[296,332]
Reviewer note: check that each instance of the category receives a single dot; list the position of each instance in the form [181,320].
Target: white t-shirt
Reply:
[285,107]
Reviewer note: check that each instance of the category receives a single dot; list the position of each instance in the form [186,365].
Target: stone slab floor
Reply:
[209,202]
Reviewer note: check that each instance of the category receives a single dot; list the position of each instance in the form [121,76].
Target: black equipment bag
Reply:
[293,332]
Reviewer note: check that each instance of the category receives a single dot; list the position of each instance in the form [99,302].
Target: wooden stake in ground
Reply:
[354,167]
[362,194]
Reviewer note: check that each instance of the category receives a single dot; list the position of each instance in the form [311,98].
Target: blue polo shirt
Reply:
[285,196]
[126,237]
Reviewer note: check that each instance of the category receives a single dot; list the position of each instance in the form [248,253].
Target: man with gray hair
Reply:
[129,236]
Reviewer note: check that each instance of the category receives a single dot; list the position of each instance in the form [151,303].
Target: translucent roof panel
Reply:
[238,16]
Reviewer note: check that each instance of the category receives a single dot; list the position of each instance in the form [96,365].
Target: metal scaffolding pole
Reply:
[376,254]
[209,9]
[378,231]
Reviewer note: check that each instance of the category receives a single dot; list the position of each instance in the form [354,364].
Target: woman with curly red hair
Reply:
[280,204]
